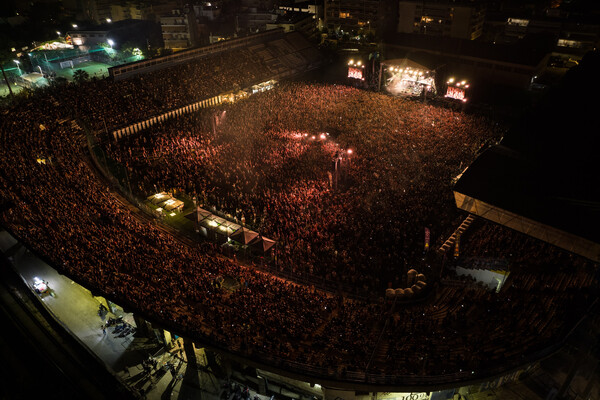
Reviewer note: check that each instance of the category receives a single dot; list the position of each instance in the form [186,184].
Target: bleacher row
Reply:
[288,55]
[159,91]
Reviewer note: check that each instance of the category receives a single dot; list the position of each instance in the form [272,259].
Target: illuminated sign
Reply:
[518,22]
[355,73]
[455,93]
[408,396]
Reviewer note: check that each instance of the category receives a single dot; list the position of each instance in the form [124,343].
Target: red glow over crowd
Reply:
[259,165]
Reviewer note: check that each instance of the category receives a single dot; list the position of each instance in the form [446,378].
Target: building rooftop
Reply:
[109,26]
[292,17]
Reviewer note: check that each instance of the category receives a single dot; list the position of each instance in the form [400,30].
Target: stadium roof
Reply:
[543,179]
[505,179]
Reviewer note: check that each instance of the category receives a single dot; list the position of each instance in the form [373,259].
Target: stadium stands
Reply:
[361,236]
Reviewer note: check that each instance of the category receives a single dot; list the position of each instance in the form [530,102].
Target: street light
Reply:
[18,62]
[110,43]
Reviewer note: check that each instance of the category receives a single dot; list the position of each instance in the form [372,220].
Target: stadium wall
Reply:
[206,103]
[138,126]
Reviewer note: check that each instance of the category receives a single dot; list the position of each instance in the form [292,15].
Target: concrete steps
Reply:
[449,243]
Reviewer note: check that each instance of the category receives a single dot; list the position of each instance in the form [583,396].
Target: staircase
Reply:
[459,231]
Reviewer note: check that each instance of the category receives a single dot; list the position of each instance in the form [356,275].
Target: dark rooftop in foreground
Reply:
[507,179]
[546,166]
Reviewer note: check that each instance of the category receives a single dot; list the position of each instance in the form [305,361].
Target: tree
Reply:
[149,52]
[129,46]
[164,51]
[59,81]
[80,76]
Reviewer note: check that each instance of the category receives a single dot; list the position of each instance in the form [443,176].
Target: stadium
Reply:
[310,229]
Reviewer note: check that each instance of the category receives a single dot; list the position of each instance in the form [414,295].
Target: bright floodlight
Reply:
[17,61]
[108,20]
[349,151]
[74,25]
[450,80]
[110,42]
[58,33]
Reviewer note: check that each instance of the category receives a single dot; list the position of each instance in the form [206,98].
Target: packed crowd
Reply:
[259,164]
[114,105]
[268,162]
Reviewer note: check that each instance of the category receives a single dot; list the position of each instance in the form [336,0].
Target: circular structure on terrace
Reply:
[353,221]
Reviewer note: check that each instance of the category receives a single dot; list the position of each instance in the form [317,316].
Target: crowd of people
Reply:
[268,162]
[258,164]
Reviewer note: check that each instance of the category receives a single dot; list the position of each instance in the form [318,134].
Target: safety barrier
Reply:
[139,126]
